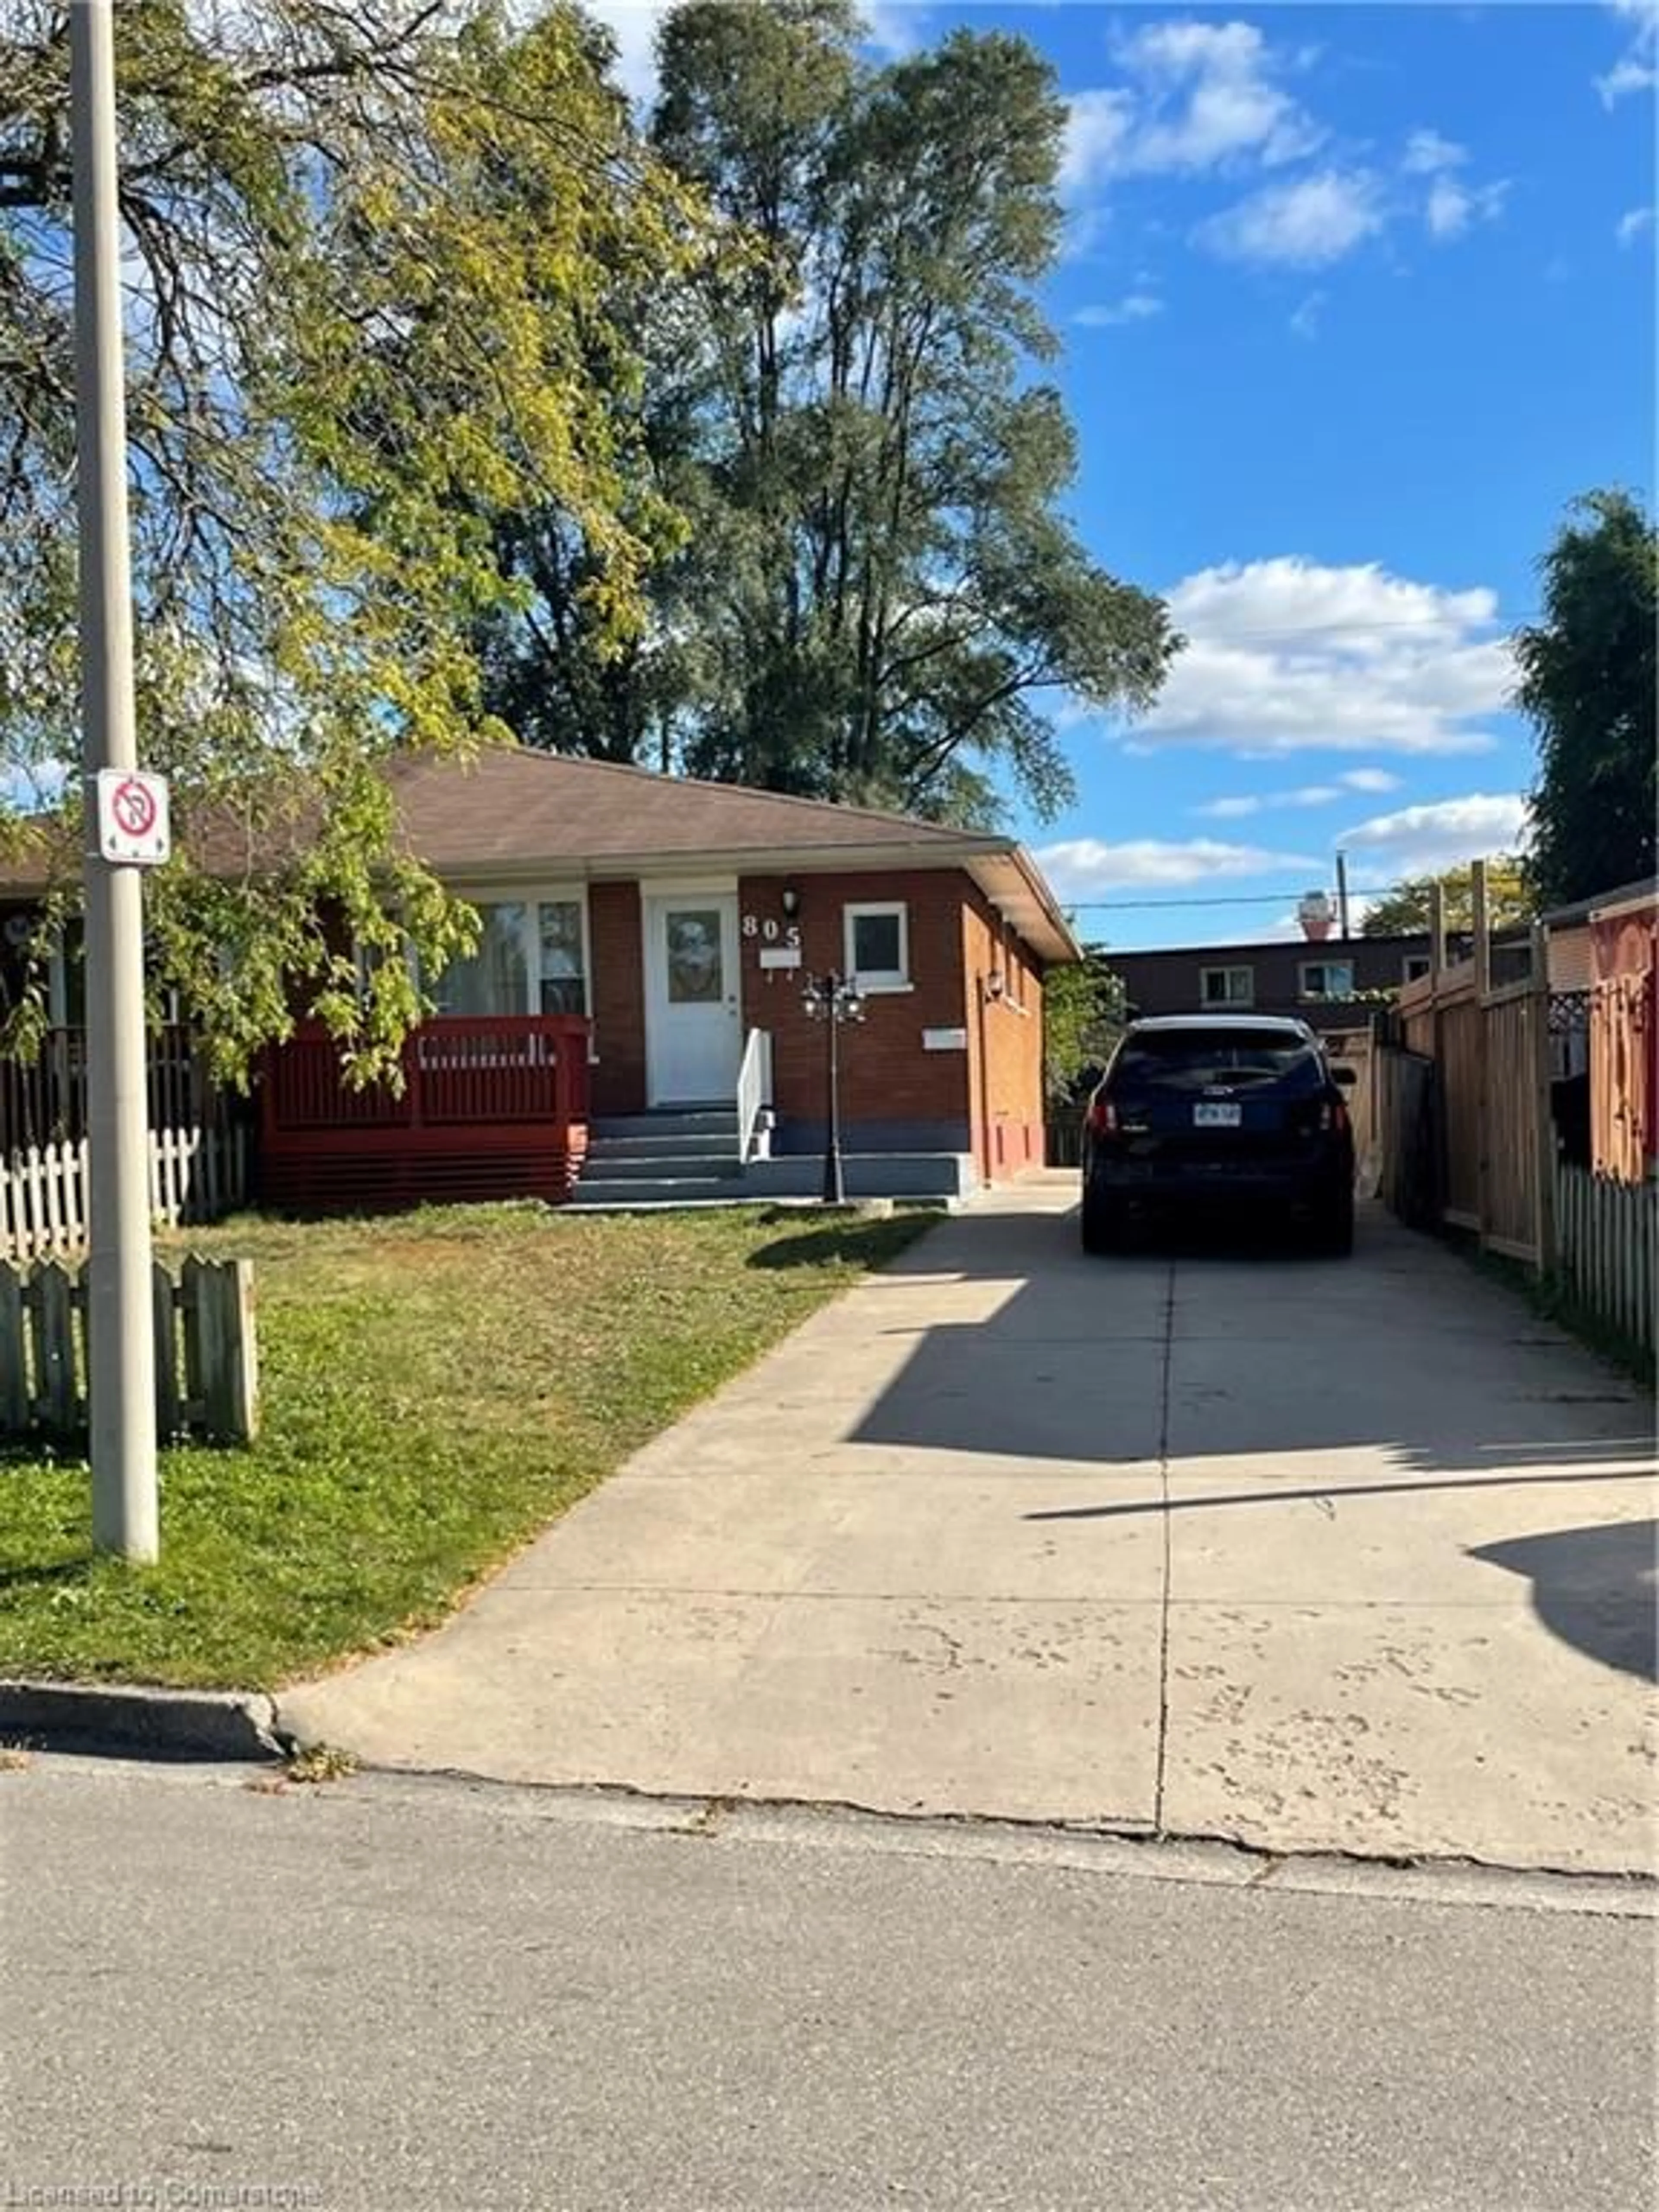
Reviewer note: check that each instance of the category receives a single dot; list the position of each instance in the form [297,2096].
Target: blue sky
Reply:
[1356,300]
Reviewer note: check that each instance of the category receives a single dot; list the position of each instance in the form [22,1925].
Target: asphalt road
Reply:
[398,1992]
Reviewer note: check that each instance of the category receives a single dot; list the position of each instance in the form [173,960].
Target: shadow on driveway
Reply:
[1593,1586]
[1233,1351]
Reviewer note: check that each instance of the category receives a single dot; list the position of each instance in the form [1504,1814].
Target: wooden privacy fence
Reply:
[1489,1047]
[196,1175]
[1605,1235]
[1469,1138]
[1467,1141]
[206,1361]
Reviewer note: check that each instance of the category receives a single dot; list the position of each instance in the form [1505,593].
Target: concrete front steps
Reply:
[640,1160]
[642,1163]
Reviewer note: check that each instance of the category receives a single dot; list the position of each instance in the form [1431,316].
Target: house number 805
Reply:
[769,929]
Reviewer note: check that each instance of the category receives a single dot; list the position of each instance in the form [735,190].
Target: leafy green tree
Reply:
[1406,907]
[1588,685]
[373,256]
[878,586]
[1085,1010]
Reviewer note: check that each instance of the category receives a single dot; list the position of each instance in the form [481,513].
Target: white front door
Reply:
[693,1022]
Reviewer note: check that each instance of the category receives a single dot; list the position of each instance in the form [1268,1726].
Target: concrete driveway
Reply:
[1354,1555]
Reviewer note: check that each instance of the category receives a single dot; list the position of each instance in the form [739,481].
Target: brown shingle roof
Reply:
[512,809]
[512,805]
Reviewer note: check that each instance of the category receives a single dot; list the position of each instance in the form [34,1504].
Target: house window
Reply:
[877,946]
[1416,966]
[564,957]
[1227,987]
[531,957]
[1327,979]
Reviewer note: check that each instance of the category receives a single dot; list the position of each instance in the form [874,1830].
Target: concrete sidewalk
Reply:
[1351,1555]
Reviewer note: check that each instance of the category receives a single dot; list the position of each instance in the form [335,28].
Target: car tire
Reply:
[1333,1232]
[1102,1228]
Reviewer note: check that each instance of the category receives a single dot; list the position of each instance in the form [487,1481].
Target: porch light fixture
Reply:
[789,900]
[832,1000]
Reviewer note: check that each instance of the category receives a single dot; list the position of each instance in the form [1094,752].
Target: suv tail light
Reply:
[1102,1118]
[1334,1115]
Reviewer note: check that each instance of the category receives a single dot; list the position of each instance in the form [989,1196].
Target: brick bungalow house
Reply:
[645,940]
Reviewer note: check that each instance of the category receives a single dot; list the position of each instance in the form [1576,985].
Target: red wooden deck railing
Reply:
[490,1106]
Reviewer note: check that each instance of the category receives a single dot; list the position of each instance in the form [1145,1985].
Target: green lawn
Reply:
[434,1388]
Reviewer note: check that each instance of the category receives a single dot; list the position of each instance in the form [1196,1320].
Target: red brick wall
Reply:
[886,1075]
[1005,1044]
[616,954]
[955,938]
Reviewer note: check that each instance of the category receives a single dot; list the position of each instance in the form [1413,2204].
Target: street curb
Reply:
[228,1724]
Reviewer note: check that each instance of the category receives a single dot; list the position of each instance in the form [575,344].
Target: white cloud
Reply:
[894,26]
[1368,779]
[1304,323]
[1305,224]
[1454,208]
[1638,68]
[1212,96]
[1081,865]
[1097,124]
[1314,794]
[1133,307]
[1630,74]
[1240,807]
[1286,656]
[1423,840]
[1633,223]
[1196,96]
[1427,153]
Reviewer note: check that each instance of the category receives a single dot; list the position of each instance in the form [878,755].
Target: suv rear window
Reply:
[1196,1060]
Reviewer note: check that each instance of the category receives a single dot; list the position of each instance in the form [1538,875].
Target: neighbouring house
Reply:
[1330,985]
[634,1013]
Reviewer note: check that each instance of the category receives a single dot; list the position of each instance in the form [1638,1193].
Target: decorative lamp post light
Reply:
[832,1000]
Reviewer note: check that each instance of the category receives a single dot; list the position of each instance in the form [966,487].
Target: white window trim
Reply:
[890,980]
[1323,998]
[1420,961]
[532,901]
[1230,969]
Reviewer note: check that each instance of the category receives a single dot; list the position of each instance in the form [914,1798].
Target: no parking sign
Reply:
[133,828]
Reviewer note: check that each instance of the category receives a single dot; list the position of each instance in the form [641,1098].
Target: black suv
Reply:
[1214,1113]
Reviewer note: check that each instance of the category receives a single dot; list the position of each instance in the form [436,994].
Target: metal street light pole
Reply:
[119,1325]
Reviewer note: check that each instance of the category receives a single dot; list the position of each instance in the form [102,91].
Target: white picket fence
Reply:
[1605,1233]
[195,1175]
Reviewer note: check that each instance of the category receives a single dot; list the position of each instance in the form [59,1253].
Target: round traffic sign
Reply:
[134,807]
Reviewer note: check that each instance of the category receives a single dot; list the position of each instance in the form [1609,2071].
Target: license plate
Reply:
[1218,1117]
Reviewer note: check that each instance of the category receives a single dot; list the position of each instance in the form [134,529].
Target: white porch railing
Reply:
[754,1097]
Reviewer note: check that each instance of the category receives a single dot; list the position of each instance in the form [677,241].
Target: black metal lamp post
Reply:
[833,999]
